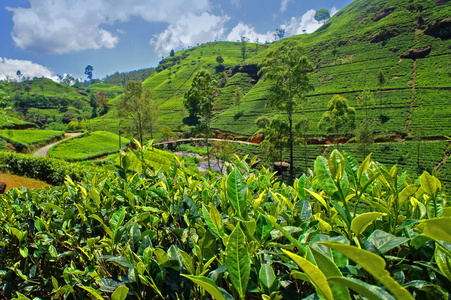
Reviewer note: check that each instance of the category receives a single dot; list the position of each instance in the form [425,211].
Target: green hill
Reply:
[407,41]
[348,52]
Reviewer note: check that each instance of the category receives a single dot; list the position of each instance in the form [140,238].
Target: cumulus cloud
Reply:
[9,68]
[249,32]
[190,30]
[306,22]
[57,27]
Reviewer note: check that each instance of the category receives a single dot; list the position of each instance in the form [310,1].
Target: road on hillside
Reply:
[45,150]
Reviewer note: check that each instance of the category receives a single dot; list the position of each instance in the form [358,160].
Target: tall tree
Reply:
[19,74]
[202,92]
[137,104]
[286,67]
[338,115]
[243,42]
[322,15]
[88,71]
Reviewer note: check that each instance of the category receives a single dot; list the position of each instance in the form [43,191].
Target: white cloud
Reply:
[49,26]
[333,11]
[9,68]
[283,5]
[189,31]
[306,22]
[237,3]
[249,32]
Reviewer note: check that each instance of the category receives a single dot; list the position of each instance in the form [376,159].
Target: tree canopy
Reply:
[338,115]
[137,104]
[199,99]
[322,15]
[287,67]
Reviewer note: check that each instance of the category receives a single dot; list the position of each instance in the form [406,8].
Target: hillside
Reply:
[348,52]
[407,41]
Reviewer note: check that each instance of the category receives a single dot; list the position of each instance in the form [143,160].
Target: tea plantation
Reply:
[361,220]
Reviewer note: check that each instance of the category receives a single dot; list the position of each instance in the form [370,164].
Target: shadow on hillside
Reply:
[324,27]
[191,121]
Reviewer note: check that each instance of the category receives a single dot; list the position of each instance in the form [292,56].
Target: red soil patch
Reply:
[16,181]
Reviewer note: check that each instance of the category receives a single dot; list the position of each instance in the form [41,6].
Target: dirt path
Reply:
[45,150]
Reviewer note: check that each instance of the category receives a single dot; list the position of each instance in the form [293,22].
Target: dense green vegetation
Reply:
[345,231]
[121,79]
[148,227]
[93,145]
[22,140]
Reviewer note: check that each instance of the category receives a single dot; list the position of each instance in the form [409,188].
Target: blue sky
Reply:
[57,37]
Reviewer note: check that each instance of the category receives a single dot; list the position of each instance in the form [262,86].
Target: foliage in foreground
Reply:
[345,231]
[52,171]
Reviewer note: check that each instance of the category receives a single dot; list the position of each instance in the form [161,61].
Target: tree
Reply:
[243,42]
[219,59]
[101,103]
[88,71]
[322,15]
[338,115]
[280,33]
[19,74]
[275,132]
[137,104]
[201,94]
[286,67]
[68,80]
[172,53]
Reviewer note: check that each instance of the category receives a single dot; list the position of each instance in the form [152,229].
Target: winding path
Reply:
[45,150]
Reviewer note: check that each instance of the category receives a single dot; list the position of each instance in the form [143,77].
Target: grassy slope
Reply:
[97,144]
[346,61]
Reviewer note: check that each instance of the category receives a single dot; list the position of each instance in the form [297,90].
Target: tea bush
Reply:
[244,235]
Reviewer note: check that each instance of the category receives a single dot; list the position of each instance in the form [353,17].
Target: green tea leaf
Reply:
[368,291]
[373,264]
[49,206]
[315,275]
[384,241]
[237,191]
[363,167]
[443,259]
[437,228]
[406,193]
[361,222]
[330,269]
[267,279]
[93,292]
[325,180]
[428,183]
[207,284]
[95,196]
[296,243]
[117,219]
[238,261]
[120,293]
